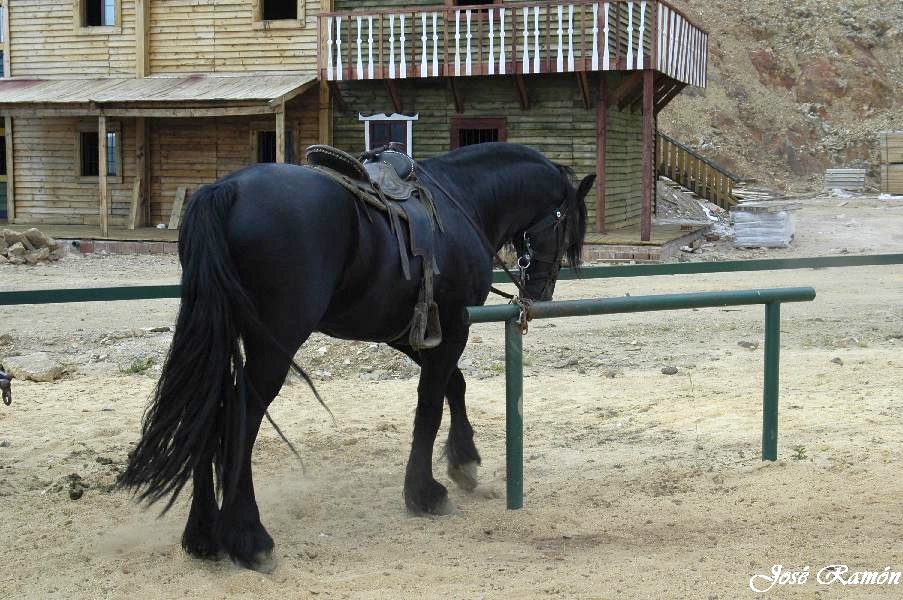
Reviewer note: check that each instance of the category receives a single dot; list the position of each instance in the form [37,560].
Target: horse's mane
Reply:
[456,164]
[575,221]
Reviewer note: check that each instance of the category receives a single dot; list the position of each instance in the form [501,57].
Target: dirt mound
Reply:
[795,89]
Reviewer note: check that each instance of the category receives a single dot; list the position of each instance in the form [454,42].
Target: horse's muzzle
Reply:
[6,388]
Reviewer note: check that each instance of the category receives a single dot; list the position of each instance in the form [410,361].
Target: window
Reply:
[3,156]
[266,146]
[467,132]
[277,10]
[381,129]
[382,133]
[98,13]
[278,14]
[88,149]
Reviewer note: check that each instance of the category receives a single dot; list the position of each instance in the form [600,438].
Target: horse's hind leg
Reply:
[199,537]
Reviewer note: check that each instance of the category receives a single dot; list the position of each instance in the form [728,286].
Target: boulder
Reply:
[33,367]
[38,239]
[16,254]
[37,256]
[3,260]
[12,237]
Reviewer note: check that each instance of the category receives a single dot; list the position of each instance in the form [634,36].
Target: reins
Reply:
[520,286]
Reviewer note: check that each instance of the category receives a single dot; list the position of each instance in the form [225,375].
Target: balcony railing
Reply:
[512,38]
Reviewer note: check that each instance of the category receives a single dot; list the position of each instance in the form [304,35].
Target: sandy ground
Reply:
[638,485]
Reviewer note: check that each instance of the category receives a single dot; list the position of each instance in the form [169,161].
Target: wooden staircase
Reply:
[693,171]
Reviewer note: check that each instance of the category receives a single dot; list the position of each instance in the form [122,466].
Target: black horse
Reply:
[272,253]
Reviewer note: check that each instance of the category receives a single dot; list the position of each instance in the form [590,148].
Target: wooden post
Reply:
[601,140]
[325,136]
[10,172]
[175,217]
[280,135]
[102,173]
[7,63]
[142,7]
[648,147]
[137,212]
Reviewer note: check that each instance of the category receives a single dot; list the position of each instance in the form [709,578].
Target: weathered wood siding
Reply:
[188,36]
[48,189]
[194,152]
[557,124]
[45,42]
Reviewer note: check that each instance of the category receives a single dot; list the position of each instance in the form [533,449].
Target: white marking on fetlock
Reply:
[464,475]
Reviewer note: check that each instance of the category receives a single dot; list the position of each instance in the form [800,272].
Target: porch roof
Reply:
[194,95]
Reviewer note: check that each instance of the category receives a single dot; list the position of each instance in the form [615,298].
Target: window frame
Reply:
[82,29]
[259,23]
[112,127]
[292,127]
[456,124]
[394,117]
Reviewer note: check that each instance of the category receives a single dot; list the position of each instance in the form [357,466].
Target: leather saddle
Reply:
[386,179]
[389,170]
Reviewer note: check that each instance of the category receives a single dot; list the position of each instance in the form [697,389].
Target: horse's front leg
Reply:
[422,493]
[463,457]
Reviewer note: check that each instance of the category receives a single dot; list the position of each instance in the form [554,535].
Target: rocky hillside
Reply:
[794,87]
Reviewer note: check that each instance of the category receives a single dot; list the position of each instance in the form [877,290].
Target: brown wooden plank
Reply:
[175,217]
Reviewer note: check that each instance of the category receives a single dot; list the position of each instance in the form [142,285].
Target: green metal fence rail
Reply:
[731,266]
[157,292]
[514,383]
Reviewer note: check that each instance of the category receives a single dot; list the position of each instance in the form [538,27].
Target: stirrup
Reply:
[426,329]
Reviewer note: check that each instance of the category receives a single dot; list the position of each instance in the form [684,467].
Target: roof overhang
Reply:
[184,96]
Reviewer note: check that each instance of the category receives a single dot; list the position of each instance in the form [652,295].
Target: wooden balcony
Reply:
[529,38]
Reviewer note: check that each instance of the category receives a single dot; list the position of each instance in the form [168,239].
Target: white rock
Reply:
[33,367]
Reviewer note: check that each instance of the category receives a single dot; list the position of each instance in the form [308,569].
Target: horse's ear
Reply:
[585,186]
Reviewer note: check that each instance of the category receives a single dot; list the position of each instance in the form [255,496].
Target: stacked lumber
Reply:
[891,144]
[852,180]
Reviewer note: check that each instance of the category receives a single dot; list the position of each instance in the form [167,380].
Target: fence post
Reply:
[514,414]
[770,394]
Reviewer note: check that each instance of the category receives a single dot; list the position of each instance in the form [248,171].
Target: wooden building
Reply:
[116,109]
[581,81]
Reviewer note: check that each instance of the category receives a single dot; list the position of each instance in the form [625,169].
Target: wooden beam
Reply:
[456,95]
[225,111]
[142,9]
[7,63]
[135,207]
[648,147]
[522,95]
[671,95]
[337,99]
[102,187]
[10,172]
[175,217]
[628,89]
[139,195]
[280,136]
[325,115]
[601,141]
[583,84]
[392,89]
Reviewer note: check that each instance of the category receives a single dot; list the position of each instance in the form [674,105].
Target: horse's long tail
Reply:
[198,412]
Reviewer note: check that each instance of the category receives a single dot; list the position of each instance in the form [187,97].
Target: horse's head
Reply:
[6,388]
[557,232]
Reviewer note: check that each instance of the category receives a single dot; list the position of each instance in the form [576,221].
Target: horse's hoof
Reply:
[249,546]
[431,499]
[465,476]
[263,562]
[199,542]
